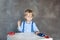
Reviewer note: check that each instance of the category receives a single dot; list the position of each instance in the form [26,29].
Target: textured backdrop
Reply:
[47,16]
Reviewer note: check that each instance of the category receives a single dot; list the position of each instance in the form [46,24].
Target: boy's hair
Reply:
[29,11]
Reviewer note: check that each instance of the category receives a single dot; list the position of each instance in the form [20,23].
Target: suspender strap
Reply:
[32,27]
[23,26]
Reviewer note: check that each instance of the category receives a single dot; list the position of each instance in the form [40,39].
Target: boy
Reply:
[28,25]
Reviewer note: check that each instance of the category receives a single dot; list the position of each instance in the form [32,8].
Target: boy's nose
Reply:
[28,16]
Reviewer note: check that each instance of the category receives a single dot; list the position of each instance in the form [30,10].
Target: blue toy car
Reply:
[41,34]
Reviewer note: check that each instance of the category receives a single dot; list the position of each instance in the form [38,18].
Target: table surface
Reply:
[26,36]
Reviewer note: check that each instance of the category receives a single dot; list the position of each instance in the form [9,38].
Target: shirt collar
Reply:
[28,23]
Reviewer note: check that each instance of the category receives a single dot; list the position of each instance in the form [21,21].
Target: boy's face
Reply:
[28,16]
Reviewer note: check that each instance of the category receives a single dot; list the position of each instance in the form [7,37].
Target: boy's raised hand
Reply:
[19,22]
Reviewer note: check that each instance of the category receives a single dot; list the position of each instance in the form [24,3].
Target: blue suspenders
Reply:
[32,30]
[24,26]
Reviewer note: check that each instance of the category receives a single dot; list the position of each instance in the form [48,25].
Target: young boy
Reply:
[28,25]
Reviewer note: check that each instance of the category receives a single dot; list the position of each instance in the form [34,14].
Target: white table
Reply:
[26,36]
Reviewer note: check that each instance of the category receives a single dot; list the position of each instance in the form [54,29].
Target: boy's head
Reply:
[28,15]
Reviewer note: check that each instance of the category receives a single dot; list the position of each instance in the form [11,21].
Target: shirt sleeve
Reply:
[20,27]
[35,27]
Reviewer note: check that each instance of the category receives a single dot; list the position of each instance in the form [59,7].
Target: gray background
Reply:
[47,16]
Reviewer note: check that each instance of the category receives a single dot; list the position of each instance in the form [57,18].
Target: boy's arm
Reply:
[19,25]
[35,28]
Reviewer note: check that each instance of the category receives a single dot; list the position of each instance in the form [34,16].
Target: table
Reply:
[26,36]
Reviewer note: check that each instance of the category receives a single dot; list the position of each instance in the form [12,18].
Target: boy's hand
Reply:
[37,32]
[19,22]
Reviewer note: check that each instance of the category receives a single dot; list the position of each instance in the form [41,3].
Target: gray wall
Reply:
[47,16]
